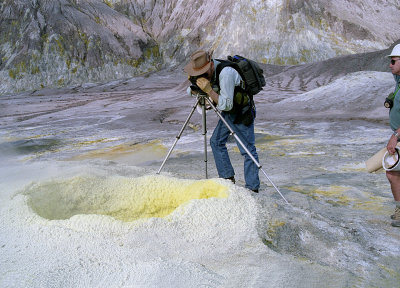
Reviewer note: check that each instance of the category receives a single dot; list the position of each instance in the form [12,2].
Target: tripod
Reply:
[202,99]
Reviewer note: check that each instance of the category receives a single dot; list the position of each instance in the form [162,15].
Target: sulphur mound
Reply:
[123,198]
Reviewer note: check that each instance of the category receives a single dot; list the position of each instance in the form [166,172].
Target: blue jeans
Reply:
[218,144]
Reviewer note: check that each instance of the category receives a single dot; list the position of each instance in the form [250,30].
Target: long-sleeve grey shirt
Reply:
[228,79]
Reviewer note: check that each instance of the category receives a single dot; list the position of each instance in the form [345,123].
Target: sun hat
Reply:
[391,162]
[395,51]
[200,62]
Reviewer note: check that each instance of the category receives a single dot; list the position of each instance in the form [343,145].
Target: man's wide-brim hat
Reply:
[200,62]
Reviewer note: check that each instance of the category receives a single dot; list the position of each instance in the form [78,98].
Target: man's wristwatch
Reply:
[395,133]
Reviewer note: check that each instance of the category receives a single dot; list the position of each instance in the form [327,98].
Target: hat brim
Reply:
[196,72]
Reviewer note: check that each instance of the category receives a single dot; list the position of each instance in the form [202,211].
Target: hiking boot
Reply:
[232,179]
[255,190]
[396,223]
[396,215]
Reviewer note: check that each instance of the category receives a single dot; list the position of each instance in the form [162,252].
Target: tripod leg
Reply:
[205,135]
[243,146]
[179,135]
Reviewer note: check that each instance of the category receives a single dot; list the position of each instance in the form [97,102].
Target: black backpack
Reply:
[254,80]
[249,70]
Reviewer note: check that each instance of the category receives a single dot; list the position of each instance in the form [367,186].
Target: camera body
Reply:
[194,88]
[196,91]
[389,101]
[193,79]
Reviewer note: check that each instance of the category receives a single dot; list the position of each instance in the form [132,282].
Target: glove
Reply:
[204,85]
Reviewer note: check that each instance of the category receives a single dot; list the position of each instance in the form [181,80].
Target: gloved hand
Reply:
[204,85]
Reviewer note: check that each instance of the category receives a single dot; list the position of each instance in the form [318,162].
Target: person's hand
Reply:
[204,85]
[392,144]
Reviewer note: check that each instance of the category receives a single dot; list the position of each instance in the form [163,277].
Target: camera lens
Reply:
[388,103]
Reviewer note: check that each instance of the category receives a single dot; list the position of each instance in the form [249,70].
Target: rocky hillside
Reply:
[69,42]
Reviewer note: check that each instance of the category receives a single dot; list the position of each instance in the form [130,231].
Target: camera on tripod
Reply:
[196,91]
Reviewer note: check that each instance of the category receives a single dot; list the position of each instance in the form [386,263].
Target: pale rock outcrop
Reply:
[70,42]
